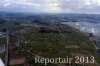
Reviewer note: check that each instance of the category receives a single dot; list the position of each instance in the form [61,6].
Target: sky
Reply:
[52,6]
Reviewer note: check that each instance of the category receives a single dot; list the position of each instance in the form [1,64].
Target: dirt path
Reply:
[17,61]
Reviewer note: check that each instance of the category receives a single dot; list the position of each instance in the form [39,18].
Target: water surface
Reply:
[87,27]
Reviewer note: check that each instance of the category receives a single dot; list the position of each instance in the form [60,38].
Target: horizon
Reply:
[12,12]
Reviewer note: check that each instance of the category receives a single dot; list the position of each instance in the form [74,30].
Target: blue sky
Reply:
[51,6]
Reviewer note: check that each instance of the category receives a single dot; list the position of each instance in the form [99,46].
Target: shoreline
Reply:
[91,37]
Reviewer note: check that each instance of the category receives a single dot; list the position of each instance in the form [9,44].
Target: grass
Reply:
[53,44]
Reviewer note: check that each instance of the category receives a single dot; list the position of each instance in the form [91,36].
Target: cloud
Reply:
[67,6]
[7,4]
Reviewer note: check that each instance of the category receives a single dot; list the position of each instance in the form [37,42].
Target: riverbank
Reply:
[92,38]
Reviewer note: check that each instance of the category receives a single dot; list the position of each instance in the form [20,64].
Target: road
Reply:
[6,48]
